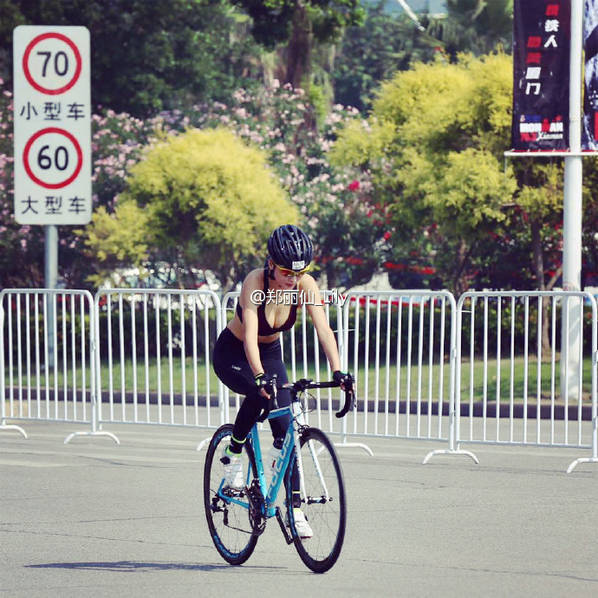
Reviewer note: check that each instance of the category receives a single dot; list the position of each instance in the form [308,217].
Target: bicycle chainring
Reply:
[256,508]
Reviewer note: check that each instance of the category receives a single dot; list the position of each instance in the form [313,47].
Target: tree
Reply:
[372,53]
[297,25]
[204,200]
[149,56]
[117,140]
[337,205]
[476,26]
[589,271]
[437,133]
[21,246]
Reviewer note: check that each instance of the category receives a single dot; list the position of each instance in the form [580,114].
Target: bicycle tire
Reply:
[326,516]
[228,522]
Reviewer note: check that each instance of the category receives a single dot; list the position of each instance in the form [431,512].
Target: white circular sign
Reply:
[52,158]
[52,63]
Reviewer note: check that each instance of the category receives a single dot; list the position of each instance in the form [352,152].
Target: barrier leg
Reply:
[363,447]
[203,443]
[575,463]
[450,451]
[594,457]
[4,426]
[92,433]
[453,448]
[345,444]
[96,430]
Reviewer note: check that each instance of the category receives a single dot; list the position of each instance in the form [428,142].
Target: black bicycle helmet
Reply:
[290,247]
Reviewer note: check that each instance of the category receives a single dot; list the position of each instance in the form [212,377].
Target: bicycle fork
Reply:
[312,451]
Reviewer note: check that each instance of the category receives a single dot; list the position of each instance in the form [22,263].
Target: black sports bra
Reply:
[263,327]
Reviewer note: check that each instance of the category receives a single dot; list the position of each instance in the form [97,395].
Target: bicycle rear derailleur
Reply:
[257,516]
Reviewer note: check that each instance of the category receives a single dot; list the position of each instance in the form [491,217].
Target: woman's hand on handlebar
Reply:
[344,380]
[266,384]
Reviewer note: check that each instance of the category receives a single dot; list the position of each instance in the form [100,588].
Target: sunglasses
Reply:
[292,273]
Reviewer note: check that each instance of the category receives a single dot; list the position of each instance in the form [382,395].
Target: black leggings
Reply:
[232,367]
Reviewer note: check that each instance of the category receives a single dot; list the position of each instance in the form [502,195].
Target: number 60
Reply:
[61,158]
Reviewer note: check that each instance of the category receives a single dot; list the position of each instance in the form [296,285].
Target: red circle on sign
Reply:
[77,149]
[28,51]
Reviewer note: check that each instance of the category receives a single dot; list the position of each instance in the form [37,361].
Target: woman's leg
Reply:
[232,368]
[280,425]
[275,366]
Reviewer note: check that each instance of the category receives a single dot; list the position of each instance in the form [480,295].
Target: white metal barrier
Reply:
[46,356]
[154,357]
[523,375]
[399,345]
[486,370]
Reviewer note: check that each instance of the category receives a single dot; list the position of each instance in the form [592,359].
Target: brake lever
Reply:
[271,403]
[349,403]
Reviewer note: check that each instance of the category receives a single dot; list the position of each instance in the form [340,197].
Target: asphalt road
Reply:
[95,519]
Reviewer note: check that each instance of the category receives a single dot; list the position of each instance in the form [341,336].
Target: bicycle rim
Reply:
[228,521]
[325,506]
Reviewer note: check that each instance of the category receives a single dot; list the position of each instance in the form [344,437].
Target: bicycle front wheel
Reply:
[322,500]
[227,510]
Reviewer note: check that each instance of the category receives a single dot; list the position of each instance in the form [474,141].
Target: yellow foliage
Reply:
[210,196]
[362,140]
[435,106]
[540,201]
[435,142]
[116,239]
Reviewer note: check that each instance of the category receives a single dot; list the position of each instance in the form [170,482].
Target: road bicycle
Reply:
[237,517]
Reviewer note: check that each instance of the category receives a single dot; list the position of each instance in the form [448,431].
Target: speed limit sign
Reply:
[52,125]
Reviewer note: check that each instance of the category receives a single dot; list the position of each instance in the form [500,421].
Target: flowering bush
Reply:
[21,247]
[335,202]
[117,141]
[117,144]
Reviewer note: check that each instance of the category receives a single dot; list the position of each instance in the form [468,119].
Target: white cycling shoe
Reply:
[233,469]
[303,528]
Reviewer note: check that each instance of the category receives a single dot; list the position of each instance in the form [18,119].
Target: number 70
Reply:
[61,62]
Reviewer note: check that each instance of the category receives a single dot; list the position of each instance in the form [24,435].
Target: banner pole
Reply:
[572,215]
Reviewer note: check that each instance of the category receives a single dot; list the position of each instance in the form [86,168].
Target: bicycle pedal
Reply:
[234,492]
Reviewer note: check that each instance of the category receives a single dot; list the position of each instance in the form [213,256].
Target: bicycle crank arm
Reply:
[288,538]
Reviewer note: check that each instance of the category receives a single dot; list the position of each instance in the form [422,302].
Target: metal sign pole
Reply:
[572,216]
[50,280]
[51,256]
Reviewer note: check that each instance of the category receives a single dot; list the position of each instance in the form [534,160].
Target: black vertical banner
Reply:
[589,131]
[541,48]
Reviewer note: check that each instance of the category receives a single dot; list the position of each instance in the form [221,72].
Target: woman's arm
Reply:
[251,284]
[315,308]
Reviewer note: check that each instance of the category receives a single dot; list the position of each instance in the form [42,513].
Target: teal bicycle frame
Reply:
[291,439]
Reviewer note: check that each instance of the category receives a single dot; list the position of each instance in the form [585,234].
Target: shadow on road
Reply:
[133,566]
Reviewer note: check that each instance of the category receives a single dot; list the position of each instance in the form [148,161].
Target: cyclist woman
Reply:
[247,355]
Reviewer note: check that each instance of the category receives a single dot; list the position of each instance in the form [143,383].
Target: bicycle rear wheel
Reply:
[228,519]
[323,504]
